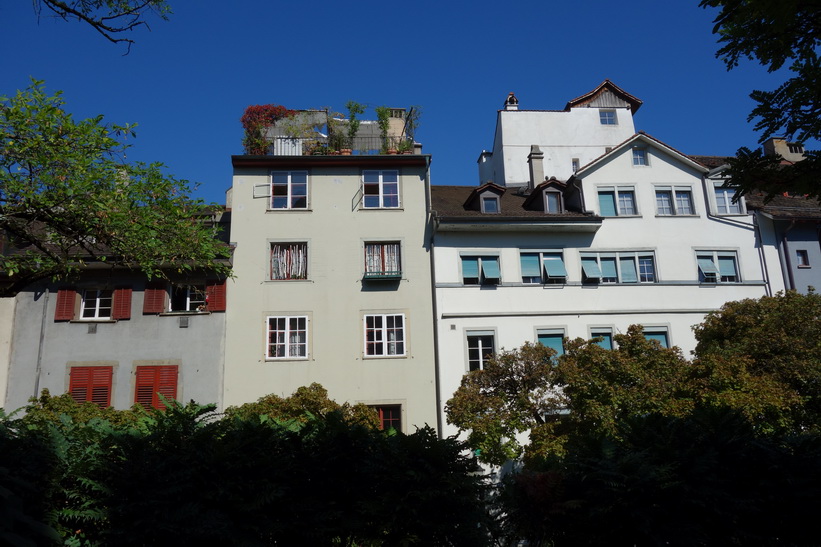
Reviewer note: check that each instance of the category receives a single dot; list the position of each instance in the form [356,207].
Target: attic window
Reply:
[552,202]
[490,204]
[795,148]
[575,164]
[608,117]
[639,157]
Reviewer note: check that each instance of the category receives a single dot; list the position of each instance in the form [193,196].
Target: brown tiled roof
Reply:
[711,162]
[635,102]
[449,202]
[785,207]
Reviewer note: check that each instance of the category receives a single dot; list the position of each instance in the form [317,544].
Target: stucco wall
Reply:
[197,349]
[334,297]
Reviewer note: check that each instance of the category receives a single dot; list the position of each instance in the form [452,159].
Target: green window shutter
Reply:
[607,204]
[554,266]
[628,270]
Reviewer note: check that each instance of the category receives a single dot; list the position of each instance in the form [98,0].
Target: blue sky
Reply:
[187,81]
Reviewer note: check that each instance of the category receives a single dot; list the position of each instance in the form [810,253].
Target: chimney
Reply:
[536,161]
[511,103]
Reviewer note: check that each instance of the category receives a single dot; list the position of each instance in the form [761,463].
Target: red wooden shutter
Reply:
[154,297]
[215,295]
[64,310]
[91,384]
[121,308]
[153,380]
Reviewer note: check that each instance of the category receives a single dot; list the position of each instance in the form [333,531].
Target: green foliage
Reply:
[512,394]
[704,479]
[354,109]
[111,18]
[383,115]
[68,197]
[776,34]
[763,356]
[304,404]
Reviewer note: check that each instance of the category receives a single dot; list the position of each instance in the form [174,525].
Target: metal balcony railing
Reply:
[322,145]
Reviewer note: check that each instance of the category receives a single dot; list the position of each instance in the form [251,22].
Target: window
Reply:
[159,297]
[724,201]
[380,189]
[574,164]
[97,304]
[617,201]
[626,267]
[543,267]
[289,190]
[802,258]
[606,335]
[153,381]
[382,260]
[640,157]
[480,270]
[91,384]
[608,117]
[490,204]
[674,201]
[187,297]
[551,338]
[716,266]
[795,148]
[481,347]
[287,338]
[390,416]
[552,202]
[384,335]
[659,334]
[289,261]
[93,304]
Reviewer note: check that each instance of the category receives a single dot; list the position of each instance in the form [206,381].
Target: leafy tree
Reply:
[304,404]
[111,18]
[67,196]
[763,356]
[776,34]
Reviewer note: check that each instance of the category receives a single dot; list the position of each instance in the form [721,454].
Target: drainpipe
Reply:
[762,256]
[39,367]
[432,222]
[786,255]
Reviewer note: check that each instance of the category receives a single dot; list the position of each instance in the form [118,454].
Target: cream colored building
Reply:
[333,282]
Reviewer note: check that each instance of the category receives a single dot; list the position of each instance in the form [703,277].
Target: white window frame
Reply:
[492,198]
[291,348]
[658,329]
[723,202]
[482,279]
[675,208]
[544,277]
[596,332]
[95,304]
[618,257]
[302,271]
[482,357]
[618,190]
[384,258]
[605,117]
[194,299]
[381,186]
[552,331]
[289,195]
[560,201]
[716,276]
[640,157]
[389,348]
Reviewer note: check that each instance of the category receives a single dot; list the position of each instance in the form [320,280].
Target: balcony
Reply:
[322,145]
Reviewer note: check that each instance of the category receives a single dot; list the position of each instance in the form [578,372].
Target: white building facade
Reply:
[639,234]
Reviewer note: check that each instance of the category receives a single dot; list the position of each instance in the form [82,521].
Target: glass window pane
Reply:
[552,341]
[530,267]
[684,202]
[658,335]
[664,202]
[470,267]
[554,266]
[590,267]
[490,267]
[606,338]
[627,204]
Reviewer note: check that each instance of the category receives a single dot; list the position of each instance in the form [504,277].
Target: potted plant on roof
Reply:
[354,108]
[383,115]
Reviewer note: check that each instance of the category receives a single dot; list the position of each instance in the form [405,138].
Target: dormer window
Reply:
[490,204]
[552,202]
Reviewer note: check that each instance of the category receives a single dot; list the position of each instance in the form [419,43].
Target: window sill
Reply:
[387,276]
[175,313]
[93,320]
[307,210]
[287,280]
[676,216]
[372,357]
[287,359]
[804,266]
[381,209]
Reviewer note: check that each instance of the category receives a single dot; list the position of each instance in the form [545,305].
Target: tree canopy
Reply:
[758,357]
[69,197]
[776,34]
[111,18]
